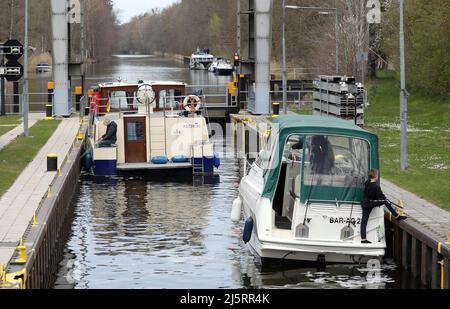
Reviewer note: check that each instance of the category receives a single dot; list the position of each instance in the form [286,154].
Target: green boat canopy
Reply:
[285,126]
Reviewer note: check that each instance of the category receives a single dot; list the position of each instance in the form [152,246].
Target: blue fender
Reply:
[180,159]
[88,161]
[160,160]
[216,160]
[248,229]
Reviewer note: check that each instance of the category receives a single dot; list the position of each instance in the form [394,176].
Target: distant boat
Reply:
[224,67]
[43,67]
[213,66]
[201,60]
[133,56]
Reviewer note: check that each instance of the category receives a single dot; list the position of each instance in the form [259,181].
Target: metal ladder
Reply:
[197,169]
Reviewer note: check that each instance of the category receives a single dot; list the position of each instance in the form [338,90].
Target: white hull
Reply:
[313,252]
[200,66]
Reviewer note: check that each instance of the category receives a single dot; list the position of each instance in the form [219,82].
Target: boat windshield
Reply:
[268,154]
[335,168]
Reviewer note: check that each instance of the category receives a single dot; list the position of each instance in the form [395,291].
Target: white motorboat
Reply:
[213,66]
[301,197]
[224,67]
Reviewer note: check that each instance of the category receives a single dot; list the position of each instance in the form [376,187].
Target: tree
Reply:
[427,29]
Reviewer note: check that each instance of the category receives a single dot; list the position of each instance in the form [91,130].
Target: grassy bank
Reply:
[7,123]
[19,153]
[428,139]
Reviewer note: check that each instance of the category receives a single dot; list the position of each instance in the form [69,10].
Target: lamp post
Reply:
[321,11]
[403,97]
[336,35]
[25,76]
[284,60]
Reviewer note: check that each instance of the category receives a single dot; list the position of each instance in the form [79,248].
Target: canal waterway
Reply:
[177,233]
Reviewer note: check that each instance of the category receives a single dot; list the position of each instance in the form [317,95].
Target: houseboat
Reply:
[301,198]
[159,129]
[201,60]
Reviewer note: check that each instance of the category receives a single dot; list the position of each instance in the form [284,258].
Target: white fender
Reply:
[236,210]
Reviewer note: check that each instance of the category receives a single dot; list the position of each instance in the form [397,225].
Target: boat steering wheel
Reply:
[145,94]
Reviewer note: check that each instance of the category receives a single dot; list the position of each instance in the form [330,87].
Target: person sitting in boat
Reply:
[374,197]
[322,155]
[110,137]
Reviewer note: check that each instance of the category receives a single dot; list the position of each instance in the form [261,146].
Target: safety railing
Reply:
[296,73]
[37,102]
[123,104]
[297,101]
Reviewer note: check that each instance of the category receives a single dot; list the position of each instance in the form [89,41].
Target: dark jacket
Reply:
[372,192]
[322,156]
[111,133]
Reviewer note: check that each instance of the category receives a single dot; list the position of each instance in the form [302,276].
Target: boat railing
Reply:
[338,203]
[175,104]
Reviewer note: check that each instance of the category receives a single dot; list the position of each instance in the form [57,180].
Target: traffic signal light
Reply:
[237,59]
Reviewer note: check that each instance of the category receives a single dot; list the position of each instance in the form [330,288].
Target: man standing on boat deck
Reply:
[111,134]
[374,197]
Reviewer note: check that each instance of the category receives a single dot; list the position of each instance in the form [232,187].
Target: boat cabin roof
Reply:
[105,91]
[136,84]
[285,126]
[321,125]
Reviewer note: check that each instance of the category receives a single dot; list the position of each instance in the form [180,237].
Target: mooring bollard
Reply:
[78,96]
[87,108]
[22,253]
[276,109]
[49,106]
[48,112]
[4,279]
[52,163]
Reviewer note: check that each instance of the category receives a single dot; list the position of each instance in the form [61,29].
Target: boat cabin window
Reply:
[265,155]
[123,100]
[293,151]
[135,131]
[263,159]
[335,162]
[170,98]
[118,100]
